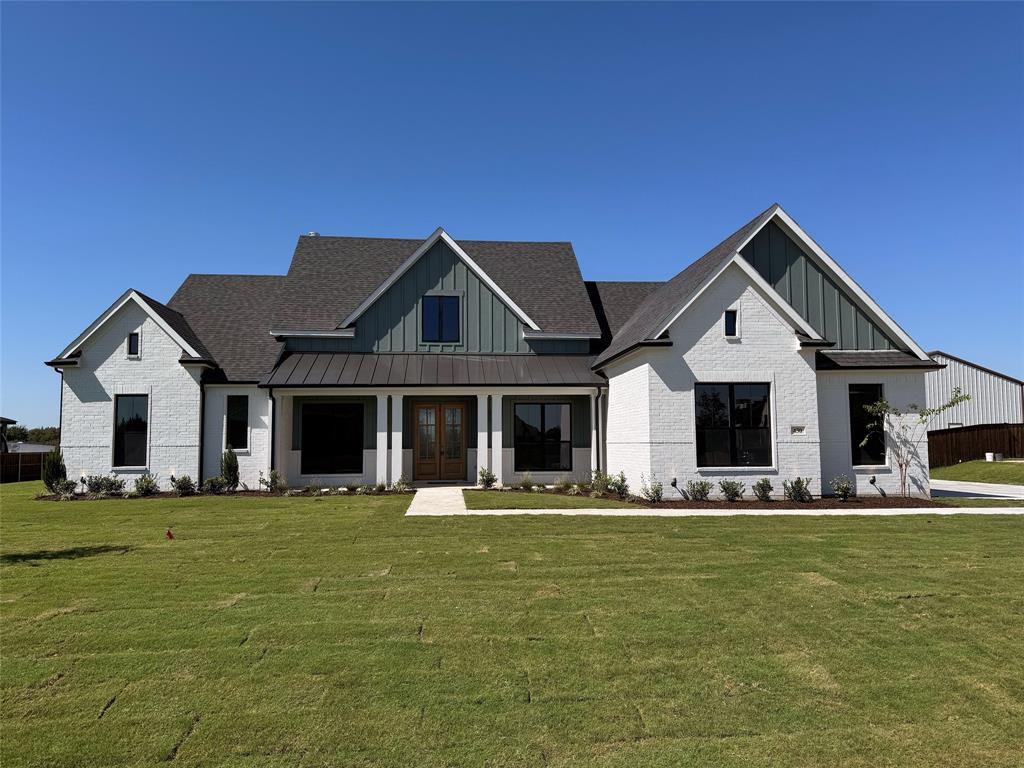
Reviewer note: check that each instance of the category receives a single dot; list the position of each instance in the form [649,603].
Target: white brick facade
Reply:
[653,394]
[901,389]
[104,371]
[256,457]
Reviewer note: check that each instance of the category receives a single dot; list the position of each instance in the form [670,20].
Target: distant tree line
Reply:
[44,435]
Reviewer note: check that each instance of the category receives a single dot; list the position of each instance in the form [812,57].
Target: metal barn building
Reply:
[995,397]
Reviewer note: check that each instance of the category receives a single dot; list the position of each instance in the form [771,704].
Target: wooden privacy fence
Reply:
[951,446]
[15,467]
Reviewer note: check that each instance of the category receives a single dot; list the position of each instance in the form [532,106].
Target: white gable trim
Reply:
[439,234]
[864,301]
[129,295]
[775,301]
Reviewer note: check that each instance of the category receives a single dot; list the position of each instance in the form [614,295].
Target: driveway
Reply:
[977,490]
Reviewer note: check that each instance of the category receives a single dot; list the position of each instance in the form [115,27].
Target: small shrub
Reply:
[563,484]
[146,485]
[380,488]
[352,487]
[64,489]
[104,485]
[526,482]
[651,492]
[575,490]
[617,484]
[843,487]
[214,485]
[273,483]
[183,486]
[798,490]
[54,470]
[763,489]
[698,490]
[401,485]
[595,495]
[731,489]
[315,488]
[229,469]
[364,490]
[599,482]
[486,478]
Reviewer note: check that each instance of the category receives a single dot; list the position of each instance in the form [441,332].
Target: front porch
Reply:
[339,436]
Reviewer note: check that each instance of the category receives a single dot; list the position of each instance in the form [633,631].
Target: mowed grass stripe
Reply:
[338,632]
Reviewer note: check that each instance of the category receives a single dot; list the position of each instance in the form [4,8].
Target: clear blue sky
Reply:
[145,141]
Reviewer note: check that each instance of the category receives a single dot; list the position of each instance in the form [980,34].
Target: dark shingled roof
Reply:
[353,369]
[615,302]
[659,305]
[330,276]
[180,325]
[834,359]
[231,313]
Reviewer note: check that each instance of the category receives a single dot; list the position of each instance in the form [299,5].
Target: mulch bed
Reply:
[173,495]
[825,502]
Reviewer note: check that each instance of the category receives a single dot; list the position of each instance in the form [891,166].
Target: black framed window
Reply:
[543,436]
[236,433]
[730,322]
[441,319]
[332,438]
[733,425]
[872,452]
[133,344]
[131,425]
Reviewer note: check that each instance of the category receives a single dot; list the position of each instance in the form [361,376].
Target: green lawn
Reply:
[534,500]
[335,631]
[983,472]
[963,501]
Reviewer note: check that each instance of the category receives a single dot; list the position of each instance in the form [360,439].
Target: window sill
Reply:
[733,339]
[872,469]
[129,469]
[241,451]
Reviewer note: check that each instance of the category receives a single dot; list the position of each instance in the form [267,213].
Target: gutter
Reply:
[273,428]
[202,427]
[631,348]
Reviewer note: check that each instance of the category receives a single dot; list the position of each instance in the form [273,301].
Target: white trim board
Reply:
[426,245]
[130,295]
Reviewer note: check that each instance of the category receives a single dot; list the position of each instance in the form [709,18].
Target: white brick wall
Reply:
[104,370]
[252,460]
[900,388]
[652,395]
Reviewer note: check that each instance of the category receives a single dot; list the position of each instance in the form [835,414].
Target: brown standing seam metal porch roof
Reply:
[343,369]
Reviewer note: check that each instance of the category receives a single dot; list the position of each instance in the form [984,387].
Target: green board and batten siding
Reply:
[802,283]
[392,322]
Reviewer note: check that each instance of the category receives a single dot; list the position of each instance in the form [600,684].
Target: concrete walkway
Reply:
[447,501]
[977,490]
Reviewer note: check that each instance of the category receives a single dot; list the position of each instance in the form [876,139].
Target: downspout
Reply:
[273,430]
[60,413]
[202,427]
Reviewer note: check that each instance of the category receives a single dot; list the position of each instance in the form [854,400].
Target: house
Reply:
[4,423]
[374,358]
[995,397]
[24,447]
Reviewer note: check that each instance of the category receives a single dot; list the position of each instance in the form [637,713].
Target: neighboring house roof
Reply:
[330,277]
[231,313]
[342,369]
[616,301]
[651,315]
[22,447]
[833,359]
[940,353]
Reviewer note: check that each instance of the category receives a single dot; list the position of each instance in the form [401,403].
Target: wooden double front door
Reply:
[439,452]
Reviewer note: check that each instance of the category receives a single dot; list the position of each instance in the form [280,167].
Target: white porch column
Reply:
[496,462]
[481,433]
[382,438]
[594,448]
[396,437]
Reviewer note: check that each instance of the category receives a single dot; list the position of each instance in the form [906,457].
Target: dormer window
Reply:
[133,344]
[731,322]
[441,320]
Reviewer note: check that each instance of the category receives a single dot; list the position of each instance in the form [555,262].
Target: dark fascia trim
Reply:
[631,348]
[975,365]
[62,362]
[833,366]
[587,385]
[816,343]
[198,361]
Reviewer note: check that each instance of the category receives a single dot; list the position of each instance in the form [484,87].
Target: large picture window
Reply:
[733,425]
[872,452]
[543,437]
[441,319]
[332,438]
[236,433]
[131,424]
